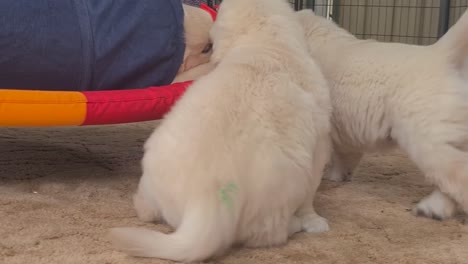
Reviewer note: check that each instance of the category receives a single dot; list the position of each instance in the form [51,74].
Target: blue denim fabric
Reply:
[89,44]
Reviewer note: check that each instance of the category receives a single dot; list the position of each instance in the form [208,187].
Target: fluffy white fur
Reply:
[195,73]
[388,94]
[197,26]
[239,158]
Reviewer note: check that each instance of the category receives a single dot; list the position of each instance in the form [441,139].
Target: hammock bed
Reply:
[30,107]
[23,108]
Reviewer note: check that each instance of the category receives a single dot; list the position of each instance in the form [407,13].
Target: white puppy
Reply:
[240,156]
[198,45]
[195,73]
[386,94]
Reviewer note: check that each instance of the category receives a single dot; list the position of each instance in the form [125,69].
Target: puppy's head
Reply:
[307,17]
[198,45]
[317,26]
[239,18]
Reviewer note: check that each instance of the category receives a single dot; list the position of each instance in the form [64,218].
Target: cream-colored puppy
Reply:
[240,156]
[198,45]
[194,73]
[387,94]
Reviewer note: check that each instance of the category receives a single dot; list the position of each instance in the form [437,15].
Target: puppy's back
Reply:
[247,123]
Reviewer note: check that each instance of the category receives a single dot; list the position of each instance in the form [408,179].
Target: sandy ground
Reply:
[61,189]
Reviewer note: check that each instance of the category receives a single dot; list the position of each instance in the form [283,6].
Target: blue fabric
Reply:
[90,44]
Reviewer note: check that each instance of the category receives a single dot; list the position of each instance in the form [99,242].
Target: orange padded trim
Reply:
[39,108]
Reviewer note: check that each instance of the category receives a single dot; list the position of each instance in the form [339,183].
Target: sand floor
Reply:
[62,188]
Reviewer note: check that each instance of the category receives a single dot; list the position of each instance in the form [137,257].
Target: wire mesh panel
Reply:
[409,21]
[419,22]
[457,9]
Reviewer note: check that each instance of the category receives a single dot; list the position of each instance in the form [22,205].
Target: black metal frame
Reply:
[444,17]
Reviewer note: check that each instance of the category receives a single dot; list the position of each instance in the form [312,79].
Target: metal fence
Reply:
[419,22]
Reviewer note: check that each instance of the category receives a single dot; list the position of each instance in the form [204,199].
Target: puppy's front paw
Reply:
[436,206]
[314,223]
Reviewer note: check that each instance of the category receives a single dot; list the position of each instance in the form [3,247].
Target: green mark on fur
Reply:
[226,194]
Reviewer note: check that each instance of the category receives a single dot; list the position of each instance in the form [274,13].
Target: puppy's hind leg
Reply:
[452,182]
[437,206]
[295,225]
[445,166]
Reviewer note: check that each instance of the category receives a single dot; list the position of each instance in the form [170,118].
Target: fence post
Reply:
[310,4]
[337,10]
[296,5]
[444,16]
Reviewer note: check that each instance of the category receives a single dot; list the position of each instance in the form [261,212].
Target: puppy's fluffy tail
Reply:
[455,41]
[206,230]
